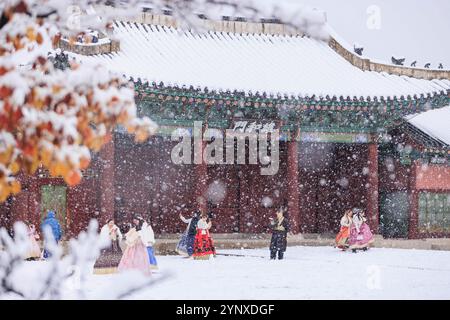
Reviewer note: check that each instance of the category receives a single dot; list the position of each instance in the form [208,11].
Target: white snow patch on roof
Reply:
[435,123]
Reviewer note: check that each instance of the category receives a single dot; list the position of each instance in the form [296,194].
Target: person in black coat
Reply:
[191,232]
[280,228]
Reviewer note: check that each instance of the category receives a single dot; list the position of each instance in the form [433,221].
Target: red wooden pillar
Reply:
[242,179]
[19,202]
[293,187]
[201,170]
[34,201]
[413,231]
[107,182]
[372,190]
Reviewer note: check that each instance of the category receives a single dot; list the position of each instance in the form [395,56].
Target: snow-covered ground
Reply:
[306,273]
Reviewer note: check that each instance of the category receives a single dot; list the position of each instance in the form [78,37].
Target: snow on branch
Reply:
[53,115]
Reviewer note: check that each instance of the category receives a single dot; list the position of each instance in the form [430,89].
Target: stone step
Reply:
[165,245]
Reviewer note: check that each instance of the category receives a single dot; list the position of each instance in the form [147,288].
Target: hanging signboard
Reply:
[334,137]
[438,160]
[250,126]
[166,131]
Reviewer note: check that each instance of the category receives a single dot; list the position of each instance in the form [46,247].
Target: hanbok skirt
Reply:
[342,238]
[362,239]
[46,253]
[135,257]
[181,248]
[109,259]
[34,251]
[152,258]
[203,246]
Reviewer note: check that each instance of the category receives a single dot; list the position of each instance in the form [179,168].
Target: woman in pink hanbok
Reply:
[34,251]
[135,255]
[360,235]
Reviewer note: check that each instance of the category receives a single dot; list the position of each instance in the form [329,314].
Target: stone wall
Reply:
[221,25]
[433,177]
[90,49]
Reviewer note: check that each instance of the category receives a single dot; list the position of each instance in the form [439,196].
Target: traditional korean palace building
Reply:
[353,133]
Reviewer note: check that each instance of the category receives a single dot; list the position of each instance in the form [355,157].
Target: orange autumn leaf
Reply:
[56,89]
[15,167]
[39,38]
[107,138]
[5,92]
[5,156]
[15,187]
[73,178]
[141,136]
[31,35]
[46,157]
[84,163]
[29,150]
[3,70]
[4,193]
[59,169]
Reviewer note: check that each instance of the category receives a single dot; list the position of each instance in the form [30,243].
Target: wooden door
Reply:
[394,214]
[54,198]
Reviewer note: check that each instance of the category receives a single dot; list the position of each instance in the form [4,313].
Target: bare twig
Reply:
[143,286]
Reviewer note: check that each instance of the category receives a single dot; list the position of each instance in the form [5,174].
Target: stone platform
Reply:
[165,244]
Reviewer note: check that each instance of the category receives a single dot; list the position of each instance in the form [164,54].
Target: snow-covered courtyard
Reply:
[306,273]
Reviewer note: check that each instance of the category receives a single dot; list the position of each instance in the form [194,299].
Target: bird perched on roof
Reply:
[398,61]
[358,49]
[441,66]
[60,60]
[427,66]
[413,64]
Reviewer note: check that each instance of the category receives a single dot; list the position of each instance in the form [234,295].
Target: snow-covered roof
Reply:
[435,123]
[273,64]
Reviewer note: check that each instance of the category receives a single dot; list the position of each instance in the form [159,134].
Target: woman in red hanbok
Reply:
[344,232]
[203,244]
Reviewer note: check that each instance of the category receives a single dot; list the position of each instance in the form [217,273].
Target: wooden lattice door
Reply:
[54,197]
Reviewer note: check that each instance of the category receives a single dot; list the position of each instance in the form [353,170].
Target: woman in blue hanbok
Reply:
[51,222]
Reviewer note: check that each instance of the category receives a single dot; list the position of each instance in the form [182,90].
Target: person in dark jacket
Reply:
[191,231]
[55,228]
[280,228]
